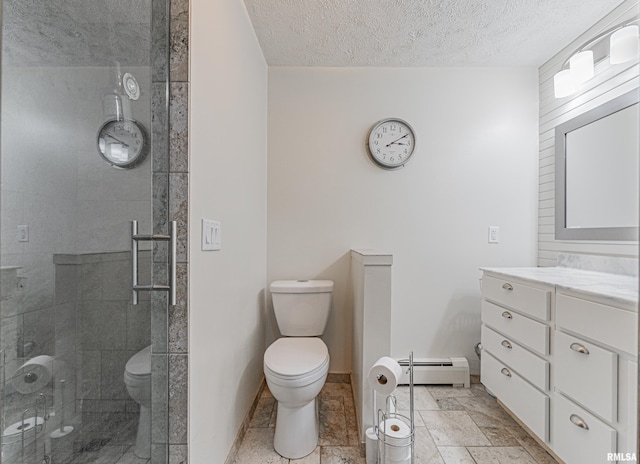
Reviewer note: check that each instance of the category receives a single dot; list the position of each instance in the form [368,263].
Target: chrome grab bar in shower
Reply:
[172,239]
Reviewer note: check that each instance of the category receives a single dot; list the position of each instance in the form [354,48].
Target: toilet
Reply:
[297,364]
[137,378]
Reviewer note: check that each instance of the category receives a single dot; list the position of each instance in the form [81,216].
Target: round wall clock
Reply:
[122,143]
[391,143]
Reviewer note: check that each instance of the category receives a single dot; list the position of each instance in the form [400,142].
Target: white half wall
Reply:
[475,166]
[228,151]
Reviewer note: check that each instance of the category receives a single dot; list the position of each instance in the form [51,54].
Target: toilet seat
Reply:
[296,361]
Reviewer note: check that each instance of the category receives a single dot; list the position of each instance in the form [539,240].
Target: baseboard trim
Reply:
[233,452]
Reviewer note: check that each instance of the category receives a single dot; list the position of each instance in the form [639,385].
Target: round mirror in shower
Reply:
[122,143]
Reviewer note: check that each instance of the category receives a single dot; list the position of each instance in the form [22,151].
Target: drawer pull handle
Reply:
[508,287]
[506,344]
[507,315]
[505,371]
[577,347]
[578,421]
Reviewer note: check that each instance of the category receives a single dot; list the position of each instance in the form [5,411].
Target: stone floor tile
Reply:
[500,455]
[455,455]
[447,391]
[257,446]
[422,400]
[539,454]
[341,455]
[449,404]
[425,448]
[453,428]
[336,389]
[313,458]
[266,393]
[499,436]
[264,411]
[333,423]
[486,412]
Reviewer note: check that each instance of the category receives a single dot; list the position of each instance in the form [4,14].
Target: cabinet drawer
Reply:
[523,361]
[530,300]
[588,374]
[516,326]
[613,326]
[529,404]
[575,444]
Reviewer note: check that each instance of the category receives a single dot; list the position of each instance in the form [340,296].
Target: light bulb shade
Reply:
[623,45]
[581,66]
[563,83]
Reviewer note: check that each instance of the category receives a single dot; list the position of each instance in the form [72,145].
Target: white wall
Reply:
[475,165]
[608,83]
[228,98]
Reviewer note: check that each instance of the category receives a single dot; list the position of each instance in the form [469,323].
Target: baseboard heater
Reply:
[432,371]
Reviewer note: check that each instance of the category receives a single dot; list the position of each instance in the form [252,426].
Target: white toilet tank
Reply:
[301,307]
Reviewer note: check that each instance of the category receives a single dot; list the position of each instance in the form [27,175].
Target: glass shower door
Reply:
[80,158]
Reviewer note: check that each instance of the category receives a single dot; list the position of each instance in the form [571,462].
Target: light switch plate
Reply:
[23,233]
[494,234]
[211,235]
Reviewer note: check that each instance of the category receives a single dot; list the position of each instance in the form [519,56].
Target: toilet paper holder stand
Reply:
[387,444]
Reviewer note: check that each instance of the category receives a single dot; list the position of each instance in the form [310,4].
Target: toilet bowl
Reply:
[296,365]
[137,378]
[296,369]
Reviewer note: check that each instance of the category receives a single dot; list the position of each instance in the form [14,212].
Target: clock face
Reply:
[391,143]
[122,143]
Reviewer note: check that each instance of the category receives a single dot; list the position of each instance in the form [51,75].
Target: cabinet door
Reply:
[588,374]
[578,436]
[529,404]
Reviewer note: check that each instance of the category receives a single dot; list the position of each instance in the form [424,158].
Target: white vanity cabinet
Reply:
[515,340]
[560,353]
[595,371]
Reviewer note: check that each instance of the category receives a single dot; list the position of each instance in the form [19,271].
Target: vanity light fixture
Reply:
[624,46]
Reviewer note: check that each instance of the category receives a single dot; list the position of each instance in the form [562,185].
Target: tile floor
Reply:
[453,426]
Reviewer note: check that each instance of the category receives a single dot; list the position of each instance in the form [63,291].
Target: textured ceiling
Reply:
[75,32]
[420,32]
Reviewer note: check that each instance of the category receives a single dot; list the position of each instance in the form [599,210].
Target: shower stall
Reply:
[84,153]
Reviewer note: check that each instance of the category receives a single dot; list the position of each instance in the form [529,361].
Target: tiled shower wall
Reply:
[171,181]
[110,328]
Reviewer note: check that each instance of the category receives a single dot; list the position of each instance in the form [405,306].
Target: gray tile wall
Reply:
[169,329]
[107,329]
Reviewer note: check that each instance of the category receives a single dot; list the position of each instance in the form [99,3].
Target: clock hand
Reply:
[117,140]
[397,140]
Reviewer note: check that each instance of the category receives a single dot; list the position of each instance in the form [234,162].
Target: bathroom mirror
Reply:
[597,173]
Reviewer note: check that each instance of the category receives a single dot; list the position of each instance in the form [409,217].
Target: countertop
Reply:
[617,287]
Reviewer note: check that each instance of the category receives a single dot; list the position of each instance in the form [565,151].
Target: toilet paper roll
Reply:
[372,446]
[395,436]
[33,375]
[384,375]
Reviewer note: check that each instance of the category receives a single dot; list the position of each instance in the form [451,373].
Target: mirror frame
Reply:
[586,233]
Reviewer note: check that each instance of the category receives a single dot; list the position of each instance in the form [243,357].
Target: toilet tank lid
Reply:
[302,286]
